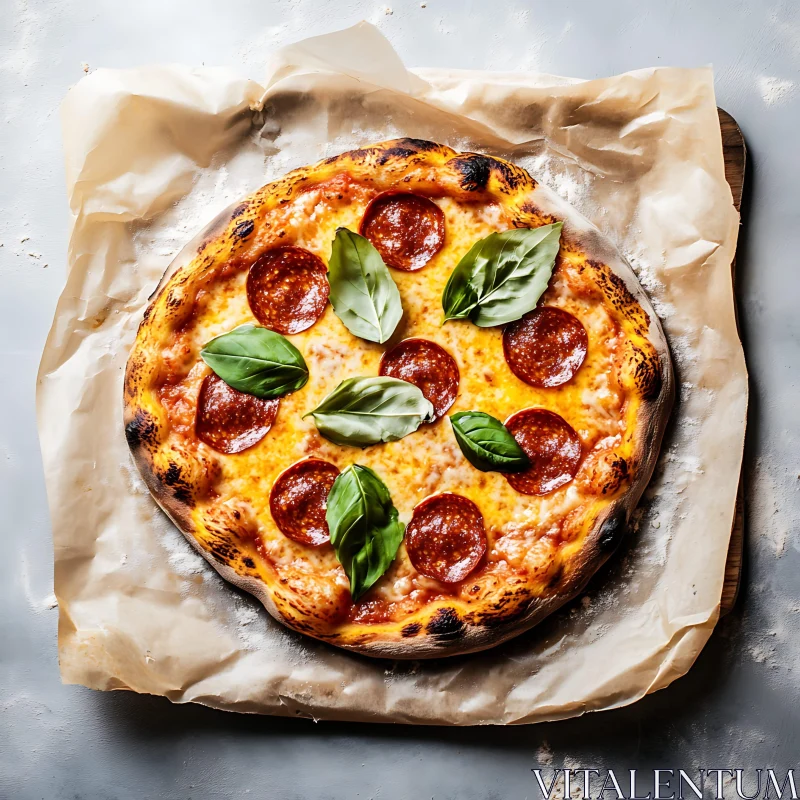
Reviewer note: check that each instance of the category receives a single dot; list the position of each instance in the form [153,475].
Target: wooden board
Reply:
[735,154]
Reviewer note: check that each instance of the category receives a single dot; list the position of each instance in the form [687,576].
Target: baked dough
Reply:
[540,550]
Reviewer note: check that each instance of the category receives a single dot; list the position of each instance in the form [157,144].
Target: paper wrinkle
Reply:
[153,154]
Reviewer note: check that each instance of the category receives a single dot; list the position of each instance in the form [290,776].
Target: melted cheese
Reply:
[523,531]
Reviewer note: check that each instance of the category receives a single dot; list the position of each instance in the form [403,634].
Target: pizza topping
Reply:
[486,443]
[365,411]
[446,538]
[428,366]
[231,421]
[298,499]
[406,229]
[502,276]
[546,347]
[257,361]
[287,289]
[363,294]
[552,446]
[365,529]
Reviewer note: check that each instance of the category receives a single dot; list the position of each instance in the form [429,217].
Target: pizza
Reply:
[406,397]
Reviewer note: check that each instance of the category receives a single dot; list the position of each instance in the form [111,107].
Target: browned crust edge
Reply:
[446,634]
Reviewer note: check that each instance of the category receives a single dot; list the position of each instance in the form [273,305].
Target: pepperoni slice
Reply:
[287,289]
[298,498]
[406,229]
[546,347]
[428,366]
[551,444]
[446,538]
[231,421]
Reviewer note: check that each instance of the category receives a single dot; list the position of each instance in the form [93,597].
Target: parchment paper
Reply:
[154,154]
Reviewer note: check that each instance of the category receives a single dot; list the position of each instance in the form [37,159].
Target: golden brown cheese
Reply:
[222,501]
[524,532]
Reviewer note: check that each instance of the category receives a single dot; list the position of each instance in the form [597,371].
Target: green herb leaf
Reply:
[257,361]
[365,530]
[365,411]
[486,442]
[503,276]
[363,294]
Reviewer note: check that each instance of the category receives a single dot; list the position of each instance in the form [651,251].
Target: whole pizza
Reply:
[406,397]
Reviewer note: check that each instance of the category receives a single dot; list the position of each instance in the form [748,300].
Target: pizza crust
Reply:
[179,479]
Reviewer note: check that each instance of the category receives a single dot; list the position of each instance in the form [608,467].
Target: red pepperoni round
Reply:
[406,229]
[231,421]
[298,499]
[446,538]
[551,444]
[287,289]
[428,366]
[546,347]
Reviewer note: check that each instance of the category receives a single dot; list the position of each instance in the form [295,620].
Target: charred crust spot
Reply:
[244,228]
[173,476]
[499,620]
[475,171]
[173,301]
[141,430]
[360,154]
[532,210]
[239,210]
[511,176]
[446,625]
[224,551]
[419,145]
[647,372]
[395,152]
[248,562]
[619,296]
[147,311]
[509,607]
[174,479]
[619,471]
[412,629]
[612,532]
[405,148]
[183,494]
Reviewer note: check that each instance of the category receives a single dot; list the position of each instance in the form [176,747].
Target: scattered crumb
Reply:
[35,255]
[85,67]
[586,601]
[24,239]
[388,11]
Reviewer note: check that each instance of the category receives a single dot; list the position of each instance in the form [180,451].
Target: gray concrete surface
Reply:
[739,704]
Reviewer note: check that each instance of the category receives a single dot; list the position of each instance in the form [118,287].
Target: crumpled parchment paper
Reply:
[153,154]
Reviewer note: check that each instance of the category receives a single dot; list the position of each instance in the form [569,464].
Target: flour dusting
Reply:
[775,90]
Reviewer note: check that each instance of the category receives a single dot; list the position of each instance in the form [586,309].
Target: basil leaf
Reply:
[365,530]
[257,361]
[363,294]
[365,411]
[486,442]
[503,276]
